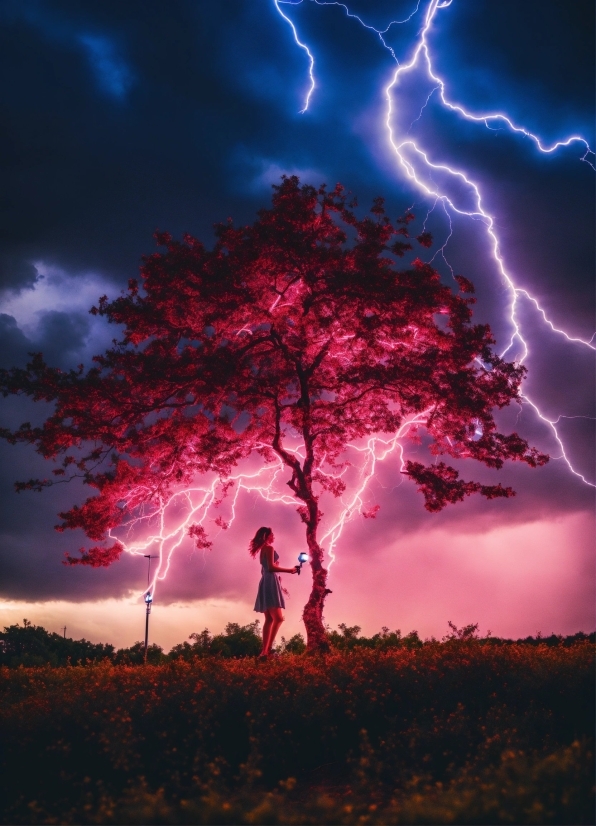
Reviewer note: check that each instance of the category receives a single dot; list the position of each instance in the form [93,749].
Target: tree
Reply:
[236,641]
[135,655]
[298,328]
[31,645]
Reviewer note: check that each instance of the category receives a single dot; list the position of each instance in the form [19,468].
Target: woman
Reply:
[270,599]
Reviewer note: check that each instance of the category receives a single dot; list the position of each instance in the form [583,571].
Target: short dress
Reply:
[269,594]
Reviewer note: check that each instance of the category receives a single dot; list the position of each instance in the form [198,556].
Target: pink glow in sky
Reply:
[514,580]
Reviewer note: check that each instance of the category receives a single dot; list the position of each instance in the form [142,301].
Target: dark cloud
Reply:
[120,118]
[14,344]
[61,336]
[16,273]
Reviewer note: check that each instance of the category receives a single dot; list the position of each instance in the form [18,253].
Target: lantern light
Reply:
[302,558]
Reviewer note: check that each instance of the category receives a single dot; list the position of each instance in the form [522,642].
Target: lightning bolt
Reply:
[305,48]
[375,450]
[414,161]
[166,525]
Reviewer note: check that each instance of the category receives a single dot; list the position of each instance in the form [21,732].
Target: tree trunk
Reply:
[316,636]
[301,485]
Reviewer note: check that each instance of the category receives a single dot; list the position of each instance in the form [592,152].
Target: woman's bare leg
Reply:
[277,617]
[266,633]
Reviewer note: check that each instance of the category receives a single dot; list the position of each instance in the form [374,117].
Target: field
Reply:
[462,731]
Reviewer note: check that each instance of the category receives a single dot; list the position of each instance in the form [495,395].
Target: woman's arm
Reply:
[271,566]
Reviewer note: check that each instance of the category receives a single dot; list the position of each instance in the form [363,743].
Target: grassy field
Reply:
[462,731]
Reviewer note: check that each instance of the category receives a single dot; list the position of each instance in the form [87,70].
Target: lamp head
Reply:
[302,558]
[148,598]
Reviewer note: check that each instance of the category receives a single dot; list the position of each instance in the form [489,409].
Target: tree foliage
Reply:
[32,645]
[236,641]
[296,331]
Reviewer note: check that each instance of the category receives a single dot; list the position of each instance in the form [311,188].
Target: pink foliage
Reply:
[284,327]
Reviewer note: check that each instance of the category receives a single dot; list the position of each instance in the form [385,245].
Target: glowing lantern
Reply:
[302,558]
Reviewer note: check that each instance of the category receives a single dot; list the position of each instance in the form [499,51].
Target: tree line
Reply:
[32,645]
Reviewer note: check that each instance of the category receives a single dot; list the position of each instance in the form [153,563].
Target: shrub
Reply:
[350,639]
[451,732]
[236,641]
[295,645]
[135,655]
[31,645]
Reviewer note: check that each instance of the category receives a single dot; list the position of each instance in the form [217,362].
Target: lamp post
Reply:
[148,603]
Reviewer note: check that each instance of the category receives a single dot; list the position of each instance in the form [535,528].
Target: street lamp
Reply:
[148,603]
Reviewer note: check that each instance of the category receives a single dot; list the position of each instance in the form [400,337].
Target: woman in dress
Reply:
[270,599]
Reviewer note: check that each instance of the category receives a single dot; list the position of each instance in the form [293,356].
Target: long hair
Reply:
[261,536]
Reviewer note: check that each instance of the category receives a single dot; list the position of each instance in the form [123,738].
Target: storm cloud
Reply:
[120,119]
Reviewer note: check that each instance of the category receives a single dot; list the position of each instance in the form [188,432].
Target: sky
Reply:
[117,119]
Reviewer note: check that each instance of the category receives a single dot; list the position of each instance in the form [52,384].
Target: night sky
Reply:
[118,119]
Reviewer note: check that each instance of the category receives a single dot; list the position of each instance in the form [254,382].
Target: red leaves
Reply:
[399,248]
[198,533]
[283,332]
[441,485]
[465,286]
[371,513]
[334,484]
[96,557]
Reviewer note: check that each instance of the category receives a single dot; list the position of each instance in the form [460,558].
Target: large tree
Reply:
[298,330]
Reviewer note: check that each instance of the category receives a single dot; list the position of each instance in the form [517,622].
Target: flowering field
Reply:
[452,732]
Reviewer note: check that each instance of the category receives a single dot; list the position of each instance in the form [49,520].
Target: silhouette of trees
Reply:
[31,645]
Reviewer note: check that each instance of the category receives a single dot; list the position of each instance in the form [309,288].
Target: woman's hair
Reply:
[261,536]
